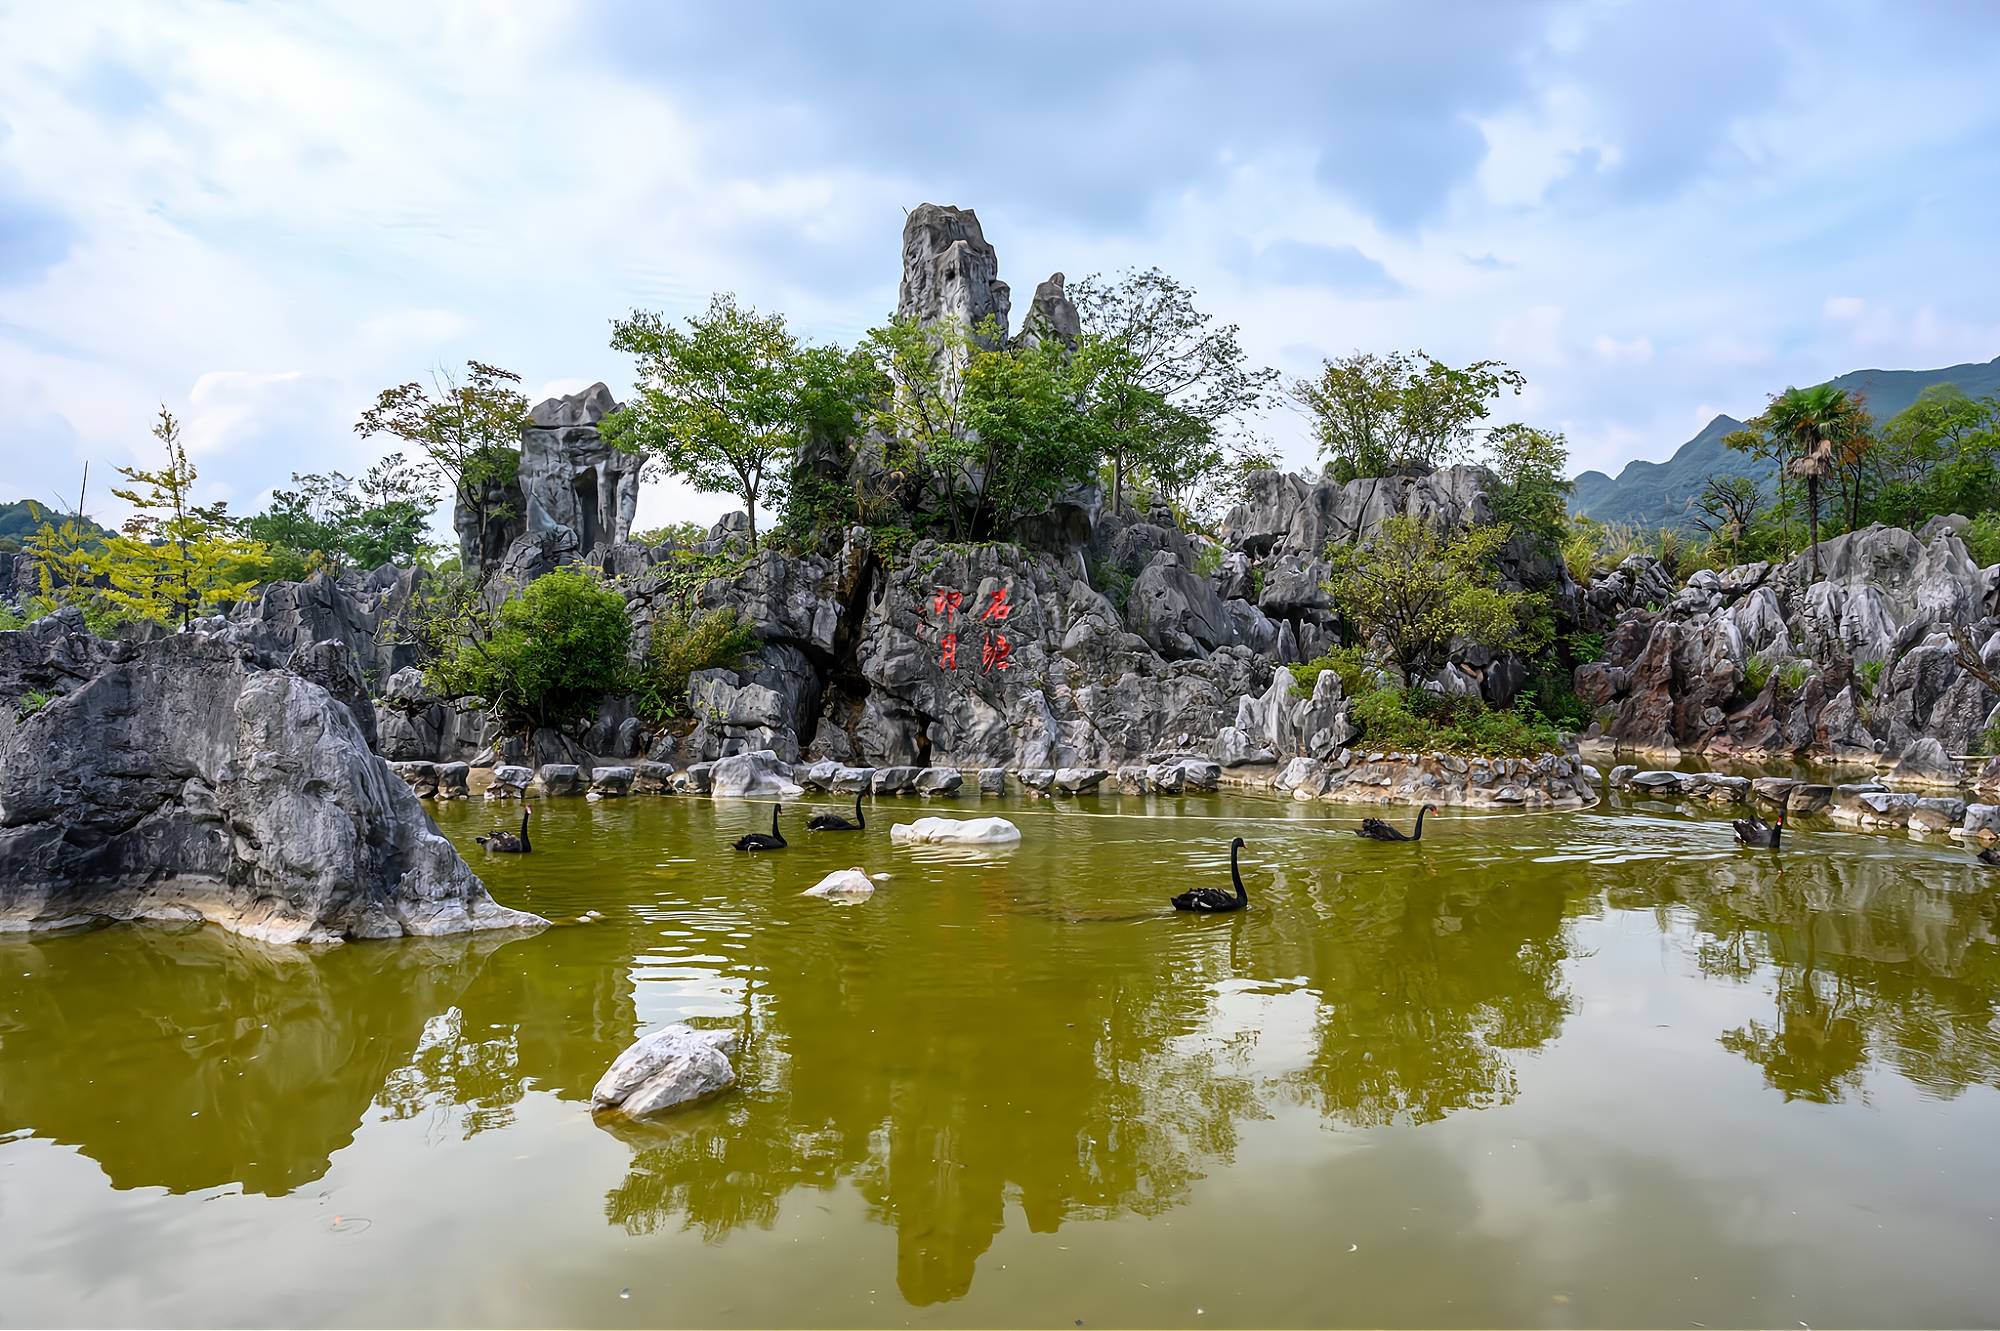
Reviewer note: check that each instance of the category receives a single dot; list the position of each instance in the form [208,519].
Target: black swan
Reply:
[1990,856]
[1377,830]
[506,843]
[758,841]
[833,822]
[1213,900]
[1754,831]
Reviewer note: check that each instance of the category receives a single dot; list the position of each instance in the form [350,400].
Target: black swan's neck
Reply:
[859,820]
[1418,835]
[524,830]
[1235,875]
[774,820]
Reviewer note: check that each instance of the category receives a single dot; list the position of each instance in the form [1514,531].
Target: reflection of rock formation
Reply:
[1869,964]
[192,1059]
[1098,1080]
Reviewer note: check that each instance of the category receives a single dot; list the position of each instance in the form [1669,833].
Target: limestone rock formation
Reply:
[188,777]
[1051,316]
[574,484]
[949,270]
[1760,661]
[671,1066]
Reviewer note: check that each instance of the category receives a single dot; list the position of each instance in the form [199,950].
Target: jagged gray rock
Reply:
[661,1069]
[189,778]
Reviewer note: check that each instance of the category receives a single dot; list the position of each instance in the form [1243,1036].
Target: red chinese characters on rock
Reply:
[995,652]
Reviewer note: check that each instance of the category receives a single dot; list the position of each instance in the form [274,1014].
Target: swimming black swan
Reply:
[506,843]
[758,841]
[1754,831]
[1213,900]
[1990,856]
[833,822]
[1377,830]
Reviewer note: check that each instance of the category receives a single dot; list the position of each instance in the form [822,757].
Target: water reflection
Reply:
[1031,1031]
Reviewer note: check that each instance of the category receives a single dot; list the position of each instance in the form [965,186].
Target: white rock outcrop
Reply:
[664,1068]
[955,832]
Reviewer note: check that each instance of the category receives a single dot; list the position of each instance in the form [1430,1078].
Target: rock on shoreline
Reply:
[190,778]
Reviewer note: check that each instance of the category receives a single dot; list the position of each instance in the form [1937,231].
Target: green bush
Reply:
[33,702]
[1982,539]
[1793,677]
[1756,674]
[1350,663]
[1870,675]
[544,658]
[1209,558]
[1420,721]
[1586,647]
[9,621]
[682,643]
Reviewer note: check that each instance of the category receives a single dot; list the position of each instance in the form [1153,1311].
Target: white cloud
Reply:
[1631,350]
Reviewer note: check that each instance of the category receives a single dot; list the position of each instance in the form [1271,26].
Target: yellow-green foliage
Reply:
[683,642]
[175,558]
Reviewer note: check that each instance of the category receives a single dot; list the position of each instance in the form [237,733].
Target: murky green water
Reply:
[1588,1069]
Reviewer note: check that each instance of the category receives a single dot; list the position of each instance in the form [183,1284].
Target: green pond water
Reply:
[1575,1069]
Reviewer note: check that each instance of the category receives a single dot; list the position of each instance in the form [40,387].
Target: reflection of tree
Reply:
[1425,987]
[188,1059]
[1868,960]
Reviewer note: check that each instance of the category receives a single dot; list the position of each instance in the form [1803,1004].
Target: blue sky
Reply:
[260,215]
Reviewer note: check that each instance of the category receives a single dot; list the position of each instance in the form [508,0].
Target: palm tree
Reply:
[1815,425]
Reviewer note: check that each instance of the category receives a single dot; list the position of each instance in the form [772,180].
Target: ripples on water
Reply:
[1604,1067]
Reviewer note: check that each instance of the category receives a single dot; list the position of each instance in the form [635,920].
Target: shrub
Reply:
[1756,674]
[9,620]
[1869,673]
[1418,720]
[1349,663]
[544,658]
[1793,677]
[1982,539]
[1586,647]
[682,643]
[33,702]
[1208,558]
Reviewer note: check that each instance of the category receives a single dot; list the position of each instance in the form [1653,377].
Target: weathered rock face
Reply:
[992,656]
[1861,665]
[664,1068]
[573,484]
[187,778]
[949,271]
[1051,316]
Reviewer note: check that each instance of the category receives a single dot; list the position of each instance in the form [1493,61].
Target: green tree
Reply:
[1164,378]
[1824,430]
[722,403]
[1725,508]
[1533,495]
[175,557]
[1373,413]
[1414,589]
[1937,456]
[333,521]
[468,433]
[545,657]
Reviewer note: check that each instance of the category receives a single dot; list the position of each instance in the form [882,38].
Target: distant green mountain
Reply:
[20,519]
[1656,494]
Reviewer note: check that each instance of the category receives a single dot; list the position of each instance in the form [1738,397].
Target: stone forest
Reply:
[988,872]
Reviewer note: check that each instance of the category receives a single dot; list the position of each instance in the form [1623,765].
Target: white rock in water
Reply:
[955,832]
[844,886]
[668,1067]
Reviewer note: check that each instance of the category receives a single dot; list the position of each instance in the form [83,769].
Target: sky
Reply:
[261,215]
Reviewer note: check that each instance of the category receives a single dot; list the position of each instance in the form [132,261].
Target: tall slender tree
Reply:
[1822,427]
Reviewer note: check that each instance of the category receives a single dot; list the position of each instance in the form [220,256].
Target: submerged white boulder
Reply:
[843,887]
[955,832]
[667,1067]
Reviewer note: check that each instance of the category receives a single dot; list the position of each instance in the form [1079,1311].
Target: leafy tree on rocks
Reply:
[468,433]
[723,402]
[1164,377]
[1533,495]
[333,521]
[1725,508]
[175,558]
[1373,414]
[544,658]
[1415,589]
[1826,432]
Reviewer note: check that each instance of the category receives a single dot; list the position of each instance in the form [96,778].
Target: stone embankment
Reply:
[1869,805]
